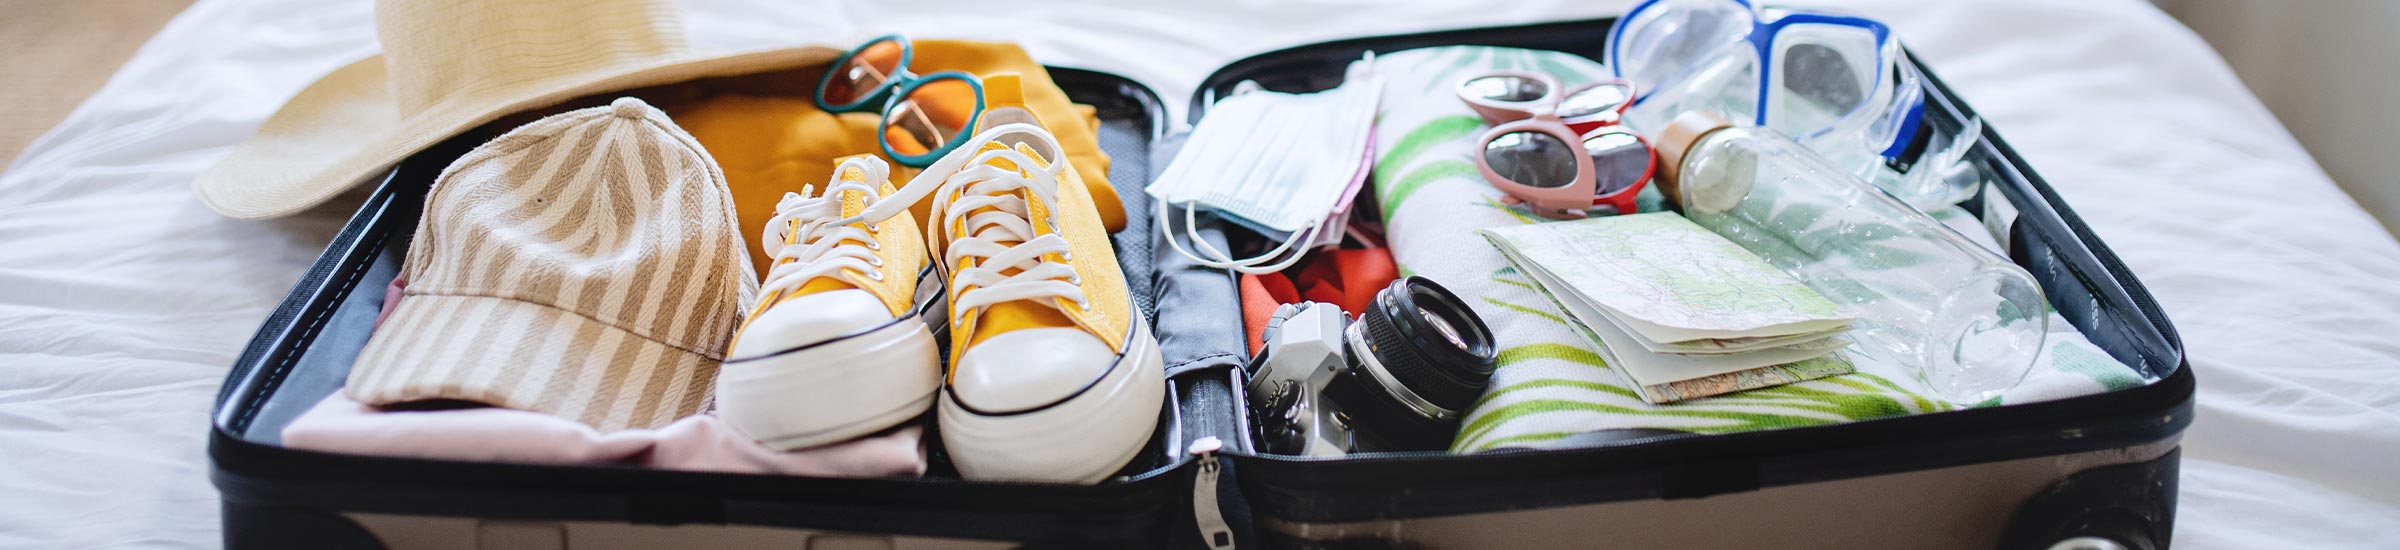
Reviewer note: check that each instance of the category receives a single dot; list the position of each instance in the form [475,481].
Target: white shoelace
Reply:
[829,243]
[1002,238]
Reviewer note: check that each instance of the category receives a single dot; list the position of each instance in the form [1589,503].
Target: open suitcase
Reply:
[2098,470]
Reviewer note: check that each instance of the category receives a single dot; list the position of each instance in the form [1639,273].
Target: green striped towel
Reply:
[1550,383]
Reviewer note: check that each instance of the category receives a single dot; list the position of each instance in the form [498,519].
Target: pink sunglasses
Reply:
[1541,158]
[1515,95]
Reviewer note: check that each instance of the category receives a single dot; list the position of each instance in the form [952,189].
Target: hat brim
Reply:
[528,356]
[346,127]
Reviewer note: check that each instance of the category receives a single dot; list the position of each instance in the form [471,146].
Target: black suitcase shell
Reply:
[277,497]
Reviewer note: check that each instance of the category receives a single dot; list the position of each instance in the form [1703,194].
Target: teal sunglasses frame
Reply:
[894,90]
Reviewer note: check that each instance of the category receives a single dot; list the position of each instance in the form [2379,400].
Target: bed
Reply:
[122,299]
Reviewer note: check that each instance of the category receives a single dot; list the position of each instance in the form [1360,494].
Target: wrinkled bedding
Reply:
[122,299]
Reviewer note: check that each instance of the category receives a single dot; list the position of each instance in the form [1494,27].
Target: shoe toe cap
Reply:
[810,319]
[1029,369]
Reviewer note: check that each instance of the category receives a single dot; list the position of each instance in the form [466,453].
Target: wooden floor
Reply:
[54,53]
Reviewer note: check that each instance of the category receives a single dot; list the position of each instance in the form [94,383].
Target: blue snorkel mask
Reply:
[1840,84]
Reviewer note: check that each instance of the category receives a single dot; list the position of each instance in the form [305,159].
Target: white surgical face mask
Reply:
[1283,164]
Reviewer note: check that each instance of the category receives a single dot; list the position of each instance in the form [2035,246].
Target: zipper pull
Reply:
[1213,530]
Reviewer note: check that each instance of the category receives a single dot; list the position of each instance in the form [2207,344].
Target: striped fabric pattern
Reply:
[586,265]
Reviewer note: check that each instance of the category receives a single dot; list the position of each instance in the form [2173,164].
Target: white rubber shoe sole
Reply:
[1080,440]
[833,390]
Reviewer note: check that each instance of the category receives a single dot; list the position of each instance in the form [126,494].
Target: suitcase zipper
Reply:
[1211,520]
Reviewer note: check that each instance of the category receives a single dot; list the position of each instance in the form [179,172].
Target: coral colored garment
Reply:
[698,442]
[1348,277]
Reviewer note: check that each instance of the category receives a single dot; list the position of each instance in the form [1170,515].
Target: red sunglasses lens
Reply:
[1595,100]
[1618,158]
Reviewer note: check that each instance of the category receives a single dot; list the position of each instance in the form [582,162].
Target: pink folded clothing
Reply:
[699,442]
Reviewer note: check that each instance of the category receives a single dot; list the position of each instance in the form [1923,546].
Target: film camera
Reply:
[1398,379]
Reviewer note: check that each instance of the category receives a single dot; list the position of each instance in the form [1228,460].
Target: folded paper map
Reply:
[1681,310]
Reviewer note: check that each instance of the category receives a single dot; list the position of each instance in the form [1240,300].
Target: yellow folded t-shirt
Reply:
[770,138]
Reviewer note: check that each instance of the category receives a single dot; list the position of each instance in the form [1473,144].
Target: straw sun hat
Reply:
[451,65]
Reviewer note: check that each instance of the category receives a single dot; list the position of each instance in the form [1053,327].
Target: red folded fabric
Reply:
[1260,295]
[1347,277]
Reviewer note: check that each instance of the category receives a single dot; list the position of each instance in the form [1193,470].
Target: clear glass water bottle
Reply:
[1966,319]
[1850,130]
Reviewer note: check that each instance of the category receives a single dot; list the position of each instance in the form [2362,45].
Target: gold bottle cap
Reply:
[1678,139]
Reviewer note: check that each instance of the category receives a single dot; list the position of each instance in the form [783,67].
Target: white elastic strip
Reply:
[1283,256]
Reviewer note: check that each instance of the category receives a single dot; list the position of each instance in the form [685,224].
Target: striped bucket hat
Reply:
[587,265]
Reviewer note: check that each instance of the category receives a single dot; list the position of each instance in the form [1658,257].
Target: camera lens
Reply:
[1430,342]
[1420,359]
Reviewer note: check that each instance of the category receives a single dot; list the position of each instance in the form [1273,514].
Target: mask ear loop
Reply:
[1289,250]
[1257,265]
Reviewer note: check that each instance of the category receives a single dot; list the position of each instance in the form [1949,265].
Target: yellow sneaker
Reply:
[837,345]
[1054,377]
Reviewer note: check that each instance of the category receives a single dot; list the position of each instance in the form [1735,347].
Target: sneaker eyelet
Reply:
[876,261]
[875,245]
[875,226]
[1075,279]
[1086,305]
[1068,255]
[875,275]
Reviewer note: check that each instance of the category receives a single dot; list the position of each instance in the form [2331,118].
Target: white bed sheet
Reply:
[122,299]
